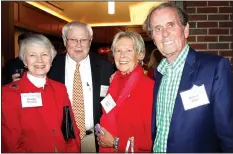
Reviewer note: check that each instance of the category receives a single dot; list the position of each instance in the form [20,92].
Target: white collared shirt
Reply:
[86,77]
[37,81]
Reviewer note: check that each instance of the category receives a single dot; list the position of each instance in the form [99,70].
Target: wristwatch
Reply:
[115,143]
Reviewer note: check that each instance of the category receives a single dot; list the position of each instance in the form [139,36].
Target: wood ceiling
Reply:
[96,13]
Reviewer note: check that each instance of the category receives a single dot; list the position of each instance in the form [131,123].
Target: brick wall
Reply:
[211,26]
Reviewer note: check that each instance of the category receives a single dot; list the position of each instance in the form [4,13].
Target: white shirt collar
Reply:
[37,81]
[73,63]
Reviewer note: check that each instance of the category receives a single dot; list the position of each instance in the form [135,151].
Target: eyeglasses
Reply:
[81,41]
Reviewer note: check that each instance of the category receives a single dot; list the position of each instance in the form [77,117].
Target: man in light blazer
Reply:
[193,103]
[95,72]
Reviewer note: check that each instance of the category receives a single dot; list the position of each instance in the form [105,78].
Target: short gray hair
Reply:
[39,40]
[147,27]
[75,24]
[135,37]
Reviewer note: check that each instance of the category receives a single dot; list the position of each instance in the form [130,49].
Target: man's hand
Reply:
[15,77]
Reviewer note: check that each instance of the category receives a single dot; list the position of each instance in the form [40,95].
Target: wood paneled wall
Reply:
[106,34]
[25,16]
[16,15]
[29,17]
[7,31]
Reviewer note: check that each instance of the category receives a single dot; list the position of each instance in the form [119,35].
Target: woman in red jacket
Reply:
[32,107]
[127,107]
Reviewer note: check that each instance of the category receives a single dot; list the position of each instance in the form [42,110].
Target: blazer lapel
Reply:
[57,71]
[61,69]
[189,72]
[158,78]
[95,69]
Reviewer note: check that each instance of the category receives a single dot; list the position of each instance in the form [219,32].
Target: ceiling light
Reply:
[111,7]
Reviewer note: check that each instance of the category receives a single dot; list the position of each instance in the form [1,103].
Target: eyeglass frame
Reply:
[81,41]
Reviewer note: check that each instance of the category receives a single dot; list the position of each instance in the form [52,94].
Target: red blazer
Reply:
[133,116]
[35,129]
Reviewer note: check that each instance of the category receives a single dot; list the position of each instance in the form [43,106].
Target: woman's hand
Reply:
[105,140]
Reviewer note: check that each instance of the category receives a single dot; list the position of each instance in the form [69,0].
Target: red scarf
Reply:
[108,121]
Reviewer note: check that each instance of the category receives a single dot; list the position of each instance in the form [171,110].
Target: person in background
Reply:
[152,64]
[32,107]
[132,93]
[86,76]
[109,56]
[193,103]
[9,71]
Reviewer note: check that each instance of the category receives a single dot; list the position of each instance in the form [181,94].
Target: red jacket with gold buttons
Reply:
[35,129]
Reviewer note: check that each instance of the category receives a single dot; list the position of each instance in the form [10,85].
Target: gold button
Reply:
[54,131]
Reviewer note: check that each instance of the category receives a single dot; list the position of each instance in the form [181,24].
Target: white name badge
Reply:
[194,97]
[103,90]
[108,103]
[31,100]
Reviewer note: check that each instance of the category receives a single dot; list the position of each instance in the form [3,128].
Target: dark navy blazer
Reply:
[207,128]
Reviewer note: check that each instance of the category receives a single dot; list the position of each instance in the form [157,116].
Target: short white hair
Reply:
[75,24]
[39,40]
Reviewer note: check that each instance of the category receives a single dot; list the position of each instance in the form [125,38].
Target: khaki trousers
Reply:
[88,143]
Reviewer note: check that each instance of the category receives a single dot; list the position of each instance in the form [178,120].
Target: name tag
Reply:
[194,97]
[31,100]
[108,103]
[103,90]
